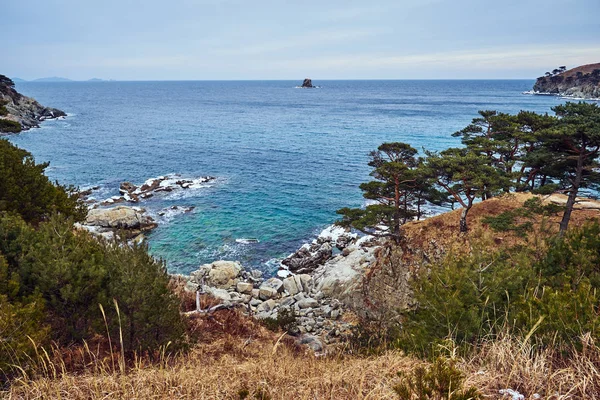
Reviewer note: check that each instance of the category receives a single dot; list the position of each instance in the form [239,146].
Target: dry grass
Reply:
[234,361]
[552,373]
[235,355]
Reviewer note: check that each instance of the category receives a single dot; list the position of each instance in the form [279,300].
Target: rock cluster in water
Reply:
[108,216]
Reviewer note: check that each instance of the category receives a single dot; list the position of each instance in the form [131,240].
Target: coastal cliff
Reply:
[581,82]
[18,112]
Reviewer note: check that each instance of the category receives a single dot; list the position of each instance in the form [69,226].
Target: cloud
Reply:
[532,56]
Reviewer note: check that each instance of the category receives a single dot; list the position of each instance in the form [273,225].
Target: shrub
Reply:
[553,300]
[441,381]
[7,125]
[3,110]
[74,273]
[285,321]
[25,190]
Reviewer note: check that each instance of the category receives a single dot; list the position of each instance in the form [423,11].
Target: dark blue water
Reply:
[286,158]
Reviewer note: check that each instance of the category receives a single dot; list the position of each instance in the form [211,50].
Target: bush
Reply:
[3,110]
[441,381]
[25,190]
[469,298]
[285,321]
[74,273]
[7,125]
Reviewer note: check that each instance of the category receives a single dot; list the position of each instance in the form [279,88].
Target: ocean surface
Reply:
[285,158]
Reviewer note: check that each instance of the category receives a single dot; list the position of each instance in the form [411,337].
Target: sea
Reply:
[284,158]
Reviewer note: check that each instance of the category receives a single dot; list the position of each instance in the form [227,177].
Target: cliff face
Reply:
[23,110]
[580,82]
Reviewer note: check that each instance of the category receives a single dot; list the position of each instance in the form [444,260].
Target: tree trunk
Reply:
[564,224]
[463,220]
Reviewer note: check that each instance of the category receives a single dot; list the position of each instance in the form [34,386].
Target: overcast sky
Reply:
[283,39]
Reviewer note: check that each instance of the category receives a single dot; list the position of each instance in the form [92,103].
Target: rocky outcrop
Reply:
[316,314]
[104,222]
[582,82]
[307,83]
[168,183]
[22,109]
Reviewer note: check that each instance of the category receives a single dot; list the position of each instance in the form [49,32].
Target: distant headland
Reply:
[18,112]
[582,82]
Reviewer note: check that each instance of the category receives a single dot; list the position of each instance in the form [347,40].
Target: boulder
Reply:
[308,303]
[244,287]
[270,288]
[312,342]
[266,306]
[308,258]
[120,217]
[292,285]
[220,294]
[223,273]
[127,187]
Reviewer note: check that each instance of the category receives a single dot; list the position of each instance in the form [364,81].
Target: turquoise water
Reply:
[285,158]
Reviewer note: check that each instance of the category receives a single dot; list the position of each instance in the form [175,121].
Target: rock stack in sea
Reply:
[307,83]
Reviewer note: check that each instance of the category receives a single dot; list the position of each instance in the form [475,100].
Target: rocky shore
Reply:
[578,83]
[109,216]
[25,111]
[314,286]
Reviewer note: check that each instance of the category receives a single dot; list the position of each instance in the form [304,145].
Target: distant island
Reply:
[59,79]
[582,82]
[53,79]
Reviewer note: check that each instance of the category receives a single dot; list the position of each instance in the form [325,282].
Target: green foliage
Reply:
[74,273]
[149,309]
[285,321]
[3,110]
[465,175]
[9,126]
[440,381]
[21,322]
[553,298]
[532,209]
[25,190]
[399,190]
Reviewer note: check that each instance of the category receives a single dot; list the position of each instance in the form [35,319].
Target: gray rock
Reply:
[312,342]
[270,288]
[287,301]
[255,302]
[266,306]
[308,303]
[217,293]
[293,285]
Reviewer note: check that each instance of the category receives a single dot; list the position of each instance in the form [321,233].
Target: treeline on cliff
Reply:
[501,153]
[61,286]
[544,288]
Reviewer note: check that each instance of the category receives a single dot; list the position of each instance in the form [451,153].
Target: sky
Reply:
[284,39]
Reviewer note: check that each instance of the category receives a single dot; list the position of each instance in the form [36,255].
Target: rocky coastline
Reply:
[578,83]
[109,217]
[23,110]
[311,285]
